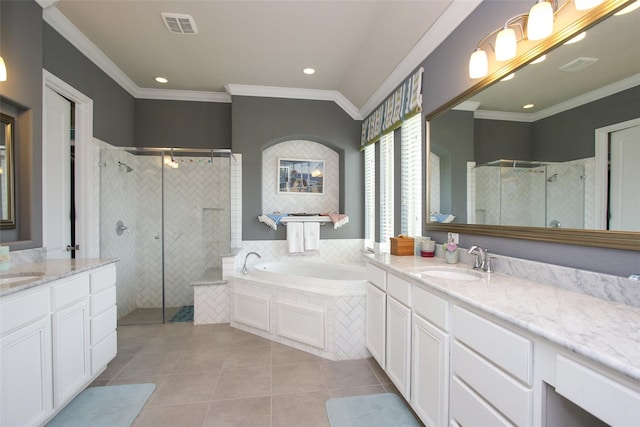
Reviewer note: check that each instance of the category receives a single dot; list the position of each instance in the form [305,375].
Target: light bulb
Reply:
[506,44]
[478,64]
[3,70]
[540,21]
[587,4]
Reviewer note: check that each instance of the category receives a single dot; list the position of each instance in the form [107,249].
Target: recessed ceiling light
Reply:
[309,71]
[162,80]
[539,60]
[577,38]
[527,106]
[509,77]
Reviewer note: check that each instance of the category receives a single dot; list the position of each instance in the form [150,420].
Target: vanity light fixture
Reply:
[539,60]
[509,77]
[577,38]
[3,70]
[162,80]
[308,71]
[535,25]
[527,106]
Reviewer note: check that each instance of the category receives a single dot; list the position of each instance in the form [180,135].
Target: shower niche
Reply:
[174,205]
[529,193]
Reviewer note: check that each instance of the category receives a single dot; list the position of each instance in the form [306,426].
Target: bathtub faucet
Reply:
[244,266]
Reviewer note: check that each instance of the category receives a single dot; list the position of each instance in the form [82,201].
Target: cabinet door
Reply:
[71,351]
[376,323]
[430,381]
[399,345]
[25,375]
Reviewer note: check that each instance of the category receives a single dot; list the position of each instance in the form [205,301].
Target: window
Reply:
[386,190]
[411,176]
[369,196]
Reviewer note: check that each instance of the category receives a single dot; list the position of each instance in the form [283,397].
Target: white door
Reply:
[56,175]
[624,198]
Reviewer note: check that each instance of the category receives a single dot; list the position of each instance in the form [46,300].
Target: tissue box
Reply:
[402,245]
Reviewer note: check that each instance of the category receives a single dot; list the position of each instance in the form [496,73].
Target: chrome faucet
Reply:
[482,261]
[244,266]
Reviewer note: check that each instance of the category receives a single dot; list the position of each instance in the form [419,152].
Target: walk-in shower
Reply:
[167,218]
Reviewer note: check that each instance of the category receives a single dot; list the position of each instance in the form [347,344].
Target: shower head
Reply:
[552,177]
[127,167]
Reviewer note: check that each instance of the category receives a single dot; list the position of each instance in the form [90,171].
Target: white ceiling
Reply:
[361,49]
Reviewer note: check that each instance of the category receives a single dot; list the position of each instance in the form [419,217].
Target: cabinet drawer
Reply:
[613,403]
[431,307]
[377,276]
[103,279]
[103,353]
[103,325]
[468,409]
[399,288]
[103,301]
[21,308]
[506,394]
[504,348]
[69,290]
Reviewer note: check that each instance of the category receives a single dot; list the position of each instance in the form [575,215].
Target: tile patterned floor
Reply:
[215,375]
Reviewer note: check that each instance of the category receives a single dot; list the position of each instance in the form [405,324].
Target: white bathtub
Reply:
[315,307]
[324,278]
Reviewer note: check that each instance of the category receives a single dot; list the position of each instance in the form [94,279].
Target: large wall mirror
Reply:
[564,170]
[7,202]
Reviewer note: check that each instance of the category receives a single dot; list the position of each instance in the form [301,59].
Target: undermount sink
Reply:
[451,273]
[11,278]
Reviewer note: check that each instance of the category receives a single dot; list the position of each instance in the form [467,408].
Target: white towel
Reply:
[311,236]
[295,237]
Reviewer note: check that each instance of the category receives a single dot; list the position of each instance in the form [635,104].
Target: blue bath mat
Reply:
[185,314]
[375,410]
[110,406]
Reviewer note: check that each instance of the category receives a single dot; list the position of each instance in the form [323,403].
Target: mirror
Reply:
[551,172]
[7,205]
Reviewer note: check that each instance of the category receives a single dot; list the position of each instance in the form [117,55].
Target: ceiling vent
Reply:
[578,64]
[179,23]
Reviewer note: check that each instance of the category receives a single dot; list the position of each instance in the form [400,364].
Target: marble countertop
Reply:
[603,331]
[47,271]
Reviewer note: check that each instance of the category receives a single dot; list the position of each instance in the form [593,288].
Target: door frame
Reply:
[602,168]
[86,210]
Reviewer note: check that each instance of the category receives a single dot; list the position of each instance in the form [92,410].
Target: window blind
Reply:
[411,176]
[386,190]
[369,196]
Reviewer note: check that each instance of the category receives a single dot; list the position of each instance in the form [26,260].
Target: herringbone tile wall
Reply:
[272,201]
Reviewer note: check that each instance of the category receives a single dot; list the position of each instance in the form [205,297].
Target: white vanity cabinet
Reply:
[104,317]
[46,347]
[492,372]
[376,317]
[70,336]
[398,330]
[25,358]
[430,357]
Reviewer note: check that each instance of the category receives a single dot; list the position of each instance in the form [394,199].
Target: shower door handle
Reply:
[157,237]
[73,248]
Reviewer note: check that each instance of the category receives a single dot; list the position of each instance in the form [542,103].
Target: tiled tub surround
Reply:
[600,330]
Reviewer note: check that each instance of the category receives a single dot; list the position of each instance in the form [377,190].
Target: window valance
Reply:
[401,104]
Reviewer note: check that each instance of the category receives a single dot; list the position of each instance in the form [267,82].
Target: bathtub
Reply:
[317,277]
[316,307]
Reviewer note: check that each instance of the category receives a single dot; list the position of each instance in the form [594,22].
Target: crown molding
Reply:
[45,4]
[294,93]
[183,95]
[452,17]
[583,99]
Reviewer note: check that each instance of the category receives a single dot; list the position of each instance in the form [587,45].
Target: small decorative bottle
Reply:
[450,250]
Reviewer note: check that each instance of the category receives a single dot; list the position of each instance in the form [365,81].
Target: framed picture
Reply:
[300,176]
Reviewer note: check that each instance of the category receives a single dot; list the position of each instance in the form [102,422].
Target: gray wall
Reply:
[113,107]
[258,123]
[21,97]
[182,124]
[445,78]
[499,139]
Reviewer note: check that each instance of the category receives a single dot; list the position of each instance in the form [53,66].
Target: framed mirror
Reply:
[560,171]
[7,194]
